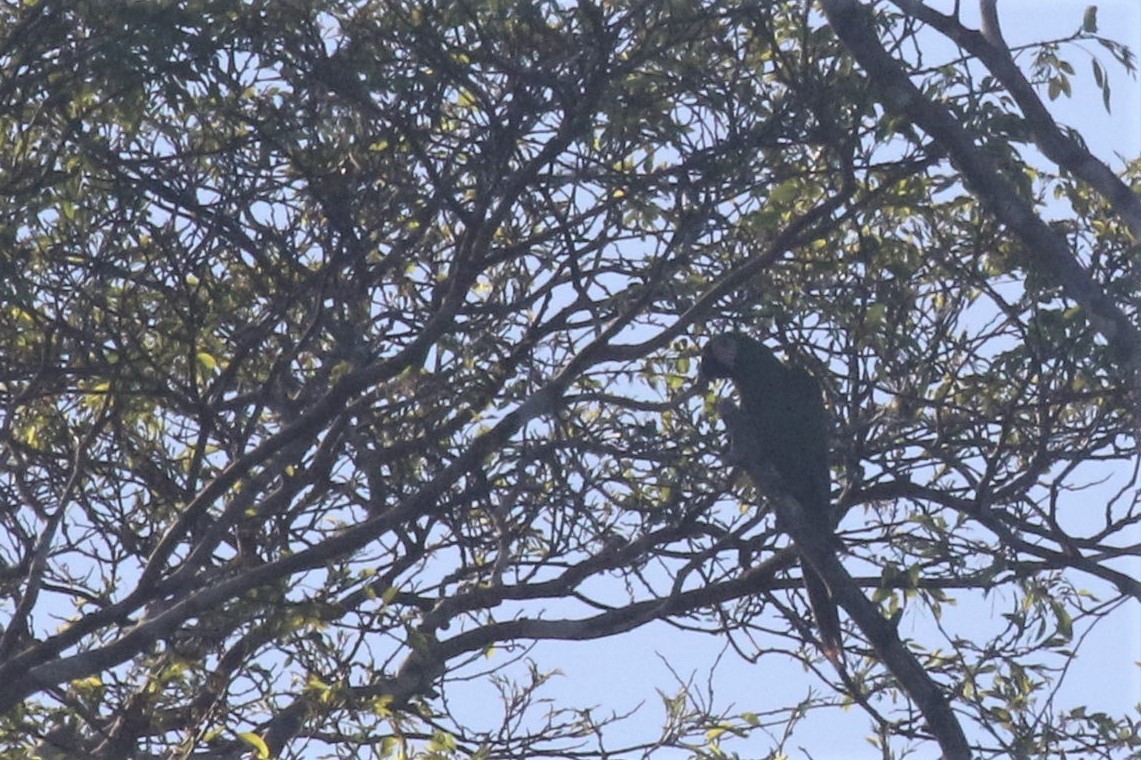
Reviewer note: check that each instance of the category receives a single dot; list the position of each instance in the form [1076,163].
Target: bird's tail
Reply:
[827,615]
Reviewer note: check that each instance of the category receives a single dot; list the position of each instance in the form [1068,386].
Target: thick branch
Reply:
[852,23]
[817,549]
[1059,147]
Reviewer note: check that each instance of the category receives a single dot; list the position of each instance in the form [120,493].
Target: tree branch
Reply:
[852,23]
[818,550]
[1056,145]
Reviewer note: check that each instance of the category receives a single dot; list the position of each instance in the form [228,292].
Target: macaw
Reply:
[783,408]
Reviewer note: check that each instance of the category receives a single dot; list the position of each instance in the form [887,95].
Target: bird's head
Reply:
[719,358]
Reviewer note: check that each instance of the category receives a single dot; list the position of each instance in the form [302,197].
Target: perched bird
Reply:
[782,408]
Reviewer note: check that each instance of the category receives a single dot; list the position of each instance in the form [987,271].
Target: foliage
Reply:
[347,350]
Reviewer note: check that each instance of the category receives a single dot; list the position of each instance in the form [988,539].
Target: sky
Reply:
[621,673]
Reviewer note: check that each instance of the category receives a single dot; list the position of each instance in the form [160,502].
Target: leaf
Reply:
[382,705]
[1065,623]
[255,741]
[442,742]
[786,192]
[876,314]
[1089,20]
[206,361]
[467,99]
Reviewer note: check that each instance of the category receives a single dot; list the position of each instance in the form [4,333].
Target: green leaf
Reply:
[255,741]
[876,314]
[206,361]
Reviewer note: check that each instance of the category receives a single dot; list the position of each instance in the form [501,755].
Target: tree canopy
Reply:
[348,352]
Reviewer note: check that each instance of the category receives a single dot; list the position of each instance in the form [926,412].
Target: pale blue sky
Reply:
[619,674]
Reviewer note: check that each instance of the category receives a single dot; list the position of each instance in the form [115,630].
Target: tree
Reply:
[348,351]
